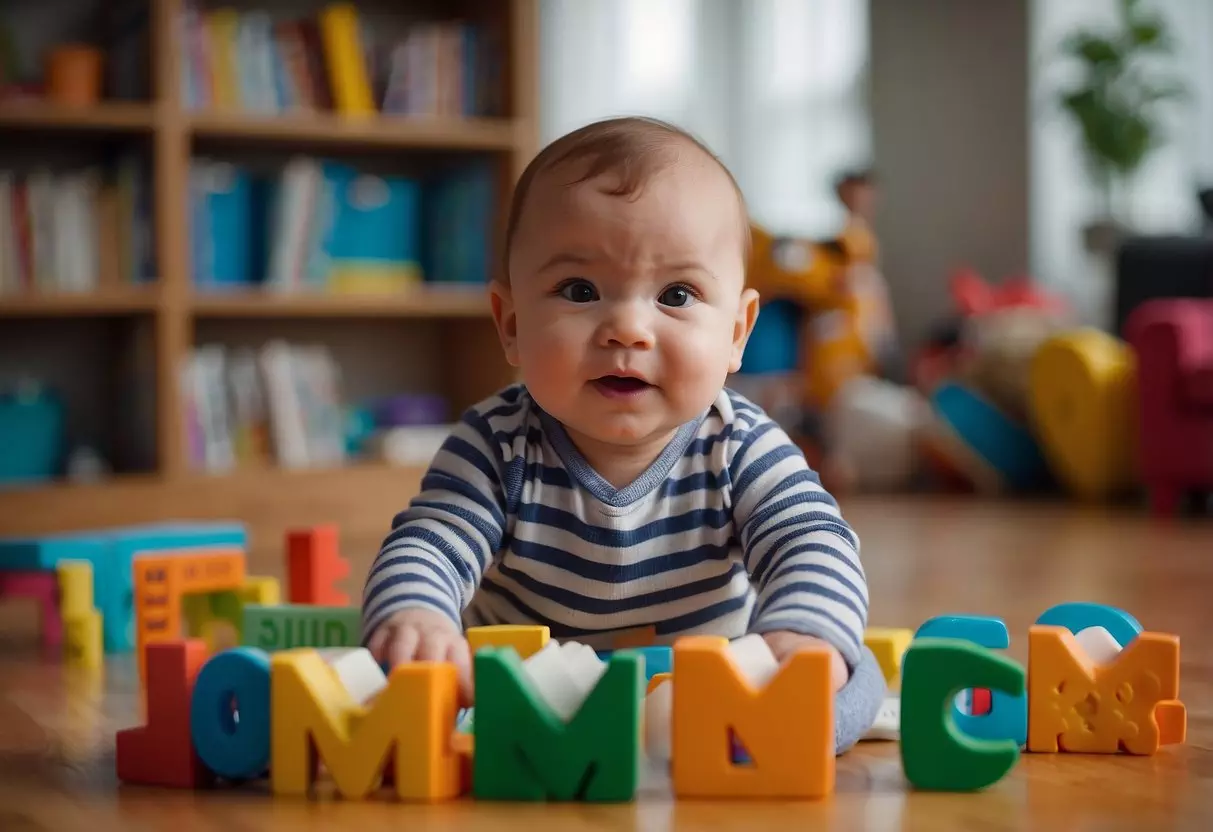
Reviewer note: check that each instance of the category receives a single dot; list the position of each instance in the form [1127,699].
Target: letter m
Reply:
[524,751]
[314,718]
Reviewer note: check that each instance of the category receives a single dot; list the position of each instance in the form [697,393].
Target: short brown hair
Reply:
[634,147]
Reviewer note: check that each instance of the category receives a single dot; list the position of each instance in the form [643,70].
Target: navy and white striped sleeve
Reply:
[801,554]
[441,544]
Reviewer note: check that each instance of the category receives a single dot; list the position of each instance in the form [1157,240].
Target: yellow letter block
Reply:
[888,644]
[1077,706]
[527,639]
[412,719]
[787,727]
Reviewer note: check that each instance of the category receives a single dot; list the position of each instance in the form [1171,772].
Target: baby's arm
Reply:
[432,562]
[800,553]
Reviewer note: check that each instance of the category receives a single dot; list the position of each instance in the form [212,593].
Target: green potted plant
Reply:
[1116,104]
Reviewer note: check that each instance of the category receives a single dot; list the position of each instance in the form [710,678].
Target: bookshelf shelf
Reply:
[270,500]
[328,130]
[423,302]
[124,301]
[113,117]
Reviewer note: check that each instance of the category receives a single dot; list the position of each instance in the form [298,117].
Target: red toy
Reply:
[161,753]
[44,588]
[1173,340]
[314,565]
[974,296]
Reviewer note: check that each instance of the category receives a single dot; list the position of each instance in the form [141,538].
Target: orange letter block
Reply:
[313,565]
[161,753]
[787,727]
[162,579]
[410,723]
[1077,706]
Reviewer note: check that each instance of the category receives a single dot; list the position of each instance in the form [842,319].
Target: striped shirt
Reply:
[729,531]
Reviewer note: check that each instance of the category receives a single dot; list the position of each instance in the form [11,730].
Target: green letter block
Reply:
[934,752]
[525,752]
[286,626]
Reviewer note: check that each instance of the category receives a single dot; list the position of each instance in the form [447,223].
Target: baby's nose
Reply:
[628,327]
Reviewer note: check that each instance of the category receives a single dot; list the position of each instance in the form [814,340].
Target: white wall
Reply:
[949,120]
[1164,195]
[775,87]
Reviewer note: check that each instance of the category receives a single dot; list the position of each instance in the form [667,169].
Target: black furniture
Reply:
[1162,267]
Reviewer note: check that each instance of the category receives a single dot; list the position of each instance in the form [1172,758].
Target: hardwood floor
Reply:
[923,558]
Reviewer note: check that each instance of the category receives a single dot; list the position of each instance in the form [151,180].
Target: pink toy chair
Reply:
[1173,340]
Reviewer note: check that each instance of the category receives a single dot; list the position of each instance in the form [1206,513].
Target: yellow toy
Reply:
[527,639]
[888,645]
[82,633]
[1082,404]
[848,321]
[314,718]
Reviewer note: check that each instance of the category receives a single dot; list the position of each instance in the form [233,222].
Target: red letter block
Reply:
[314,565]
[161,753]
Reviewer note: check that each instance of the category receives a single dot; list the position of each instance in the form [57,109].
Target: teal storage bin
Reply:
[31,437]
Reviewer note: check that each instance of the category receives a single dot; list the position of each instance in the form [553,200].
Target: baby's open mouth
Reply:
[621,385]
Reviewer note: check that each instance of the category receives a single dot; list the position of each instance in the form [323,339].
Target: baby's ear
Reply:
[502,302]
[743,325]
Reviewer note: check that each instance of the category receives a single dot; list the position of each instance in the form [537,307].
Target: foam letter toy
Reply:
[1007,716]
[888,644]
[43,587]
[525,751]
[75,588]
[1171,715]
[161,753]
[314,565]
[935,754]
[83,637]
[229,605]
[162,580]
[1077,617]
[230,713]
[82,641]
[1079,706]
[786,725]
[410,723]
[289,626]
[526,639]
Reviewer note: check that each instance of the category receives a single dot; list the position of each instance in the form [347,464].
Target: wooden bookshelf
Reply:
[113,117]
[364,494]
[325,130]
[123,301]
[361,497]
[423,302]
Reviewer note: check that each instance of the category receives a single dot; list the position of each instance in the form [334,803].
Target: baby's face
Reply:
[626,314]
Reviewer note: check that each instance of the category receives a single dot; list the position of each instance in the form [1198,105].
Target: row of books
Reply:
[279,404]
[282,404]
[75,230]
[324,225]
[253,62]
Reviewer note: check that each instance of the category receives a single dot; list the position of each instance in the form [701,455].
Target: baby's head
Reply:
[625,306]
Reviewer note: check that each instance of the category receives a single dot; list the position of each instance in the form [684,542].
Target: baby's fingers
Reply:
[402,647]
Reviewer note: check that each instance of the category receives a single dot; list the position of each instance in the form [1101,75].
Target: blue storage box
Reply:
[32,442]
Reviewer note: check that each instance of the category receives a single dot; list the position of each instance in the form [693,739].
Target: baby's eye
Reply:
[579,291]
[676,296]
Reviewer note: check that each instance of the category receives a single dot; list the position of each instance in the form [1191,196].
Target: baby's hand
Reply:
[423,636]
[784,643]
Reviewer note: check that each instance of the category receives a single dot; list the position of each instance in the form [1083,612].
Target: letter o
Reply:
[233,742]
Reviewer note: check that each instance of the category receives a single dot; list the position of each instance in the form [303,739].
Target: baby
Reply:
[620,494]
